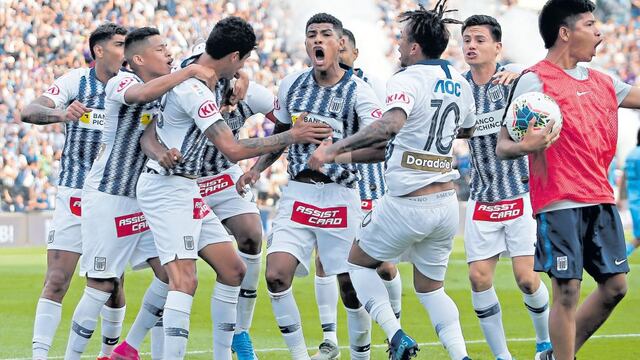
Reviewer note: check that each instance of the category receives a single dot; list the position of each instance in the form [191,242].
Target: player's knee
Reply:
[615,291]
[528,283]
[568,295]
[480,280]
[387,271]
[56,284]
[347,292]
[234,275]
[105,285]
[186,283]
[277,280]
[250,240]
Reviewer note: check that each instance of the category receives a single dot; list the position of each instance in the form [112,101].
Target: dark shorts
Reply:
[589,238]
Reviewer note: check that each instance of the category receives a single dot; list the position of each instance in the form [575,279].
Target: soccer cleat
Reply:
[327,350]
[243,347]
[124,351]
[544,355]
[402,347]
[540,347]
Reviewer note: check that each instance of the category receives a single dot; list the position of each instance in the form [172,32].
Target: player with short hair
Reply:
[426,103]
[498,220]
[76,99]
[630,188]
[371,187]
[114,230]
[181,222]
[317,209]
[578,225]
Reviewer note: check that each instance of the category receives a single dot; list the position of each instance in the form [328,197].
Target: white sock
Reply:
[359,323]
[445,320]
[151,310]
[157,341]
[394,288]
[538,306]
[288,319]
[248,291]
[223,313]
[48,314]
[84,321]
[176,315]
[327,300]
[487,308]
[112,319]
[373,295]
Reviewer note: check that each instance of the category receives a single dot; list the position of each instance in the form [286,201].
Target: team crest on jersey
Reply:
[336,104]
[53,90]
[495,93]
[376,114]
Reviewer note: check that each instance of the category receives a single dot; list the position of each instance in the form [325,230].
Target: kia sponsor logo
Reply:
[335,217]
[131,224]
[207,109]
[398,97]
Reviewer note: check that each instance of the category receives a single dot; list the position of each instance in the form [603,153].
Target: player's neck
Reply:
[562,58]
[482,73]
[328,77]
[102,73]
[208,61]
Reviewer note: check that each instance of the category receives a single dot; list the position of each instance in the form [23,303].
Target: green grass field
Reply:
[22,272]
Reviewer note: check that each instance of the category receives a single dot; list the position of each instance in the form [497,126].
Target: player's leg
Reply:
[326,290]
[112,315]
[230,270]
[64,246]
[388,272]
[177,309]
[634,209]
[358,320]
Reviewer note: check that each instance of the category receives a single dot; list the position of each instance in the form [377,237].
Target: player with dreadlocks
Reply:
[426,103]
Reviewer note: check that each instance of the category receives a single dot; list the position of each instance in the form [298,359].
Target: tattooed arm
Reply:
[42,111]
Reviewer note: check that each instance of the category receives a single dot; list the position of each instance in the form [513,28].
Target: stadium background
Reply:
[40,40]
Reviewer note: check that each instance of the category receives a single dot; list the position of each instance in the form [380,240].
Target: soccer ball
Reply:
[532,105]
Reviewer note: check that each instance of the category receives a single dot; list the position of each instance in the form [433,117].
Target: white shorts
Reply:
[506,228]
[220,194]
[419,229]
[65,233]
[326,216]
[176,213]
[115,234]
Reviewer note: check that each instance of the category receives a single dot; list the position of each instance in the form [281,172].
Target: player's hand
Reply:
[170,158]
[245,181]
[539,139]
[306,132]
[75,111]
[504,77]
[324,154]
[203,73]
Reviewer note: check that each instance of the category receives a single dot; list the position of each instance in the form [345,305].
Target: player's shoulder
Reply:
[288,80]
[123,78]
[191,87]
[513,67]
[74,76]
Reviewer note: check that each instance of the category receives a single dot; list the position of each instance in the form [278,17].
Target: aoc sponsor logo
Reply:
[131,224]
[425,162]
[75,205]
[500,211]
[207,109]
[200,209]
[335,217]
[217,184]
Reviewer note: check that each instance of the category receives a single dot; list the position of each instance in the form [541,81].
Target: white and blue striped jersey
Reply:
[492,179]
[346,106]
[121,160]
[437,101]
[371,184]
[186,112]
[259,100]
[82,137]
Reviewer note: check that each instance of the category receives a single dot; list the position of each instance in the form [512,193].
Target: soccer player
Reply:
[114,231]
[578,225]
[181,222]
[631,189]
[498,220]
[317,209]
[371,187]
[76,99]
[426,103]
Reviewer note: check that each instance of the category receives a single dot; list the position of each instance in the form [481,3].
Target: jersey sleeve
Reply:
[259,99]
[400,93]
[468,119]
[198,102]
[367,104]
[280,110]
[118,86]
[622,89]
[65,88]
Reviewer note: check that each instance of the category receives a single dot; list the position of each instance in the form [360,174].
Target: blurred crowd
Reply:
[42,39]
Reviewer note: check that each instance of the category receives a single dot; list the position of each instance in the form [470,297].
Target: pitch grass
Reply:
[22,273]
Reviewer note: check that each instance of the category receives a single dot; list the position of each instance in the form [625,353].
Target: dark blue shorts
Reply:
[589,238]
